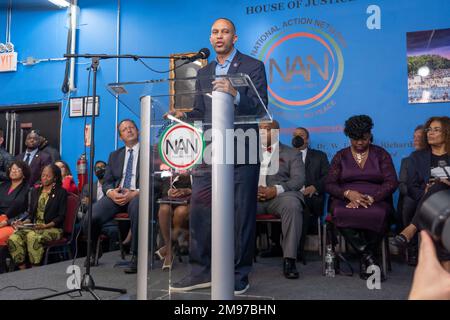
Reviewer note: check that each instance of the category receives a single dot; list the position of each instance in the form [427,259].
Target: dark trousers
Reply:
[104,210]
[245,192]
[313,207]
[362,241]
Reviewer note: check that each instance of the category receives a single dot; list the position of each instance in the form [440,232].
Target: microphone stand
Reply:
[87,283]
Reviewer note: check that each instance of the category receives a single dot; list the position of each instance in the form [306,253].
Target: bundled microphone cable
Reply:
[202,54]
[65,86]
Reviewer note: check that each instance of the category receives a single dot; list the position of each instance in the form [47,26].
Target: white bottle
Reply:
[329,262]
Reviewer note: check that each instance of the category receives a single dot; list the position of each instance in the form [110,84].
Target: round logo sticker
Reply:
[181,146]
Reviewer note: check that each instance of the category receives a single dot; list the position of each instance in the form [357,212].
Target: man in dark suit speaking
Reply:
[228,61]
[121,188]
[316,170]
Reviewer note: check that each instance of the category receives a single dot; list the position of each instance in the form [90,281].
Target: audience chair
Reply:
[62,246]
[120,219]
[342,246]
[305,227]
[123,222]
[265,219]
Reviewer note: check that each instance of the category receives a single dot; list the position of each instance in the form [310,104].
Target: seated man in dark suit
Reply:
[121,188]
[278,192]
[35,158]
[406,206]
[316,169]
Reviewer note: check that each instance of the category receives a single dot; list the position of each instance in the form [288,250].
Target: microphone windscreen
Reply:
[204,52]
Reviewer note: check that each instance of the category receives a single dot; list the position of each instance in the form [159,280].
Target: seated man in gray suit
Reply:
[278,191]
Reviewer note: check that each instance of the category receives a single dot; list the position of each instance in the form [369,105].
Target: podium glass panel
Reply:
[188,182]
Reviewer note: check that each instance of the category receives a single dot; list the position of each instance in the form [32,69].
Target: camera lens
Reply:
[435,216]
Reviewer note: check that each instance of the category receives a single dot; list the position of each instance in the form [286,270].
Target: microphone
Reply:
[201,54]
[442,164]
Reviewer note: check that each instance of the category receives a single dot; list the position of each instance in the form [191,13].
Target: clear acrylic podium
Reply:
[223,134]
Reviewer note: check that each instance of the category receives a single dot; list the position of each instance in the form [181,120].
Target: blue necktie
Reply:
[128,171]
[27,160]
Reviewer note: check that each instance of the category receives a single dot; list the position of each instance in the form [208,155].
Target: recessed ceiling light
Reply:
[61,3]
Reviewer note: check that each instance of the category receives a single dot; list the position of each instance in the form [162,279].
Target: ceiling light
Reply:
[61,3]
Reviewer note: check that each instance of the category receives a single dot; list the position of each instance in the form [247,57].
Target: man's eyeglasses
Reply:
[435,129]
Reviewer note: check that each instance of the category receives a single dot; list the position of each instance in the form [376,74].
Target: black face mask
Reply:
[297,142]
[100,173]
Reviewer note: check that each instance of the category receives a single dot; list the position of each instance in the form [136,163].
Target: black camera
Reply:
[435,216]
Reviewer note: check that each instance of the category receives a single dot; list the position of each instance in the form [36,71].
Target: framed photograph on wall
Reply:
[428,66]
[183,102]
[88,103]
[76,108]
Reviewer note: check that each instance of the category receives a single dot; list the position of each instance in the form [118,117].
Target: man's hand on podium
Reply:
[175,113]
[224,85]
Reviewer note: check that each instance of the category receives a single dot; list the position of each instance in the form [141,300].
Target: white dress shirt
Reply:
[135,161]
[264,168]
[32,155]
[303,152]
[100,193]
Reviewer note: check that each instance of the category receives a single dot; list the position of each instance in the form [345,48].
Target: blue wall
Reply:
[374,80]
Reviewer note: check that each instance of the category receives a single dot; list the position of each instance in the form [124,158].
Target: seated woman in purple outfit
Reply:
[361,181]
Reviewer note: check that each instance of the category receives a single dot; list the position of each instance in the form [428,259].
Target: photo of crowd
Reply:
[428,66]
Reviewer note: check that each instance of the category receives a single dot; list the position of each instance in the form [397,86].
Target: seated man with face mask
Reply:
[99,171]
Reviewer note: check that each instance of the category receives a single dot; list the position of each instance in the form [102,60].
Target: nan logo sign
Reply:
[181,146]
[304,63]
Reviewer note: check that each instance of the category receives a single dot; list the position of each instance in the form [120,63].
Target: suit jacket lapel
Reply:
[137,169]
[35,159]
[308,158]
[212,68]
[235,63]
[121,163]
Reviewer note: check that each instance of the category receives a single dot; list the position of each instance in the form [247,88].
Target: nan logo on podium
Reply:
[181,146]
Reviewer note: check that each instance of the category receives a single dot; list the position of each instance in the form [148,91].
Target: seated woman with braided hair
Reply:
[45,223]
[361,181]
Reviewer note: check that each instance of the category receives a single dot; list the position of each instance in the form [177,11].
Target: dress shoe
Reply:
[190,283]
[274,251]
[241,286]
[365,262]
[400,241]
[132,268]
[289,269]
